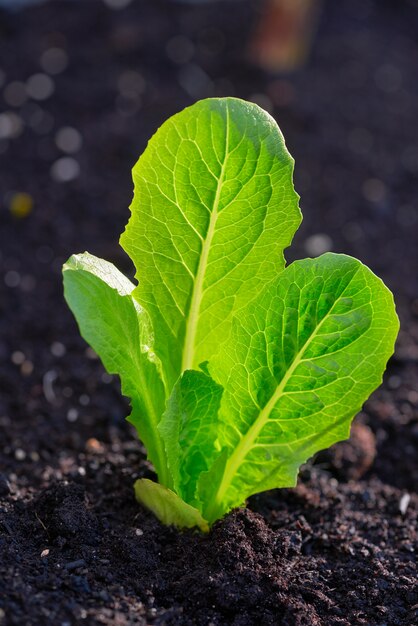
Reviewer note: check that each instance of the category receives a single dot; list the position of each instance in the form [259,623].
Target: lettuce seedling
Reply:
[238,368]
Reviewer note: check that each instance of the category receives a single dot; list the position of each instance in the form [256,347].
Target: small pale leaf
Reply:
[167,506]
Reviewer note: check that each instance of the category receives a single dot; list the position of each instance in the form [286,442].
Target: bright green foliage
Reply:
[189,428]
[213,209]
[298,366]
[238,368]
[118,329]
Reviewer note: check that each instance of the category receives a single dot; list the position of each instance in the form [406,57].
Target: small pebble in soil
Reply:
[20,455]
[394,382]
[404,503]
[65,169]
[318,244]
[26,368]
[94,446]
[350,459]
[54,60]
[11,125]
[413,397]
[84,399]
[48,385]
[5,421]
[40,86]
[72,415]
[12,279]
[68,139]
[18,357]
[58,349]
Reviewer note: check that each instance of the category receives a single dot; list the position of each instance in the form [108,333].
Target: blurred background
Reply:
[85,83]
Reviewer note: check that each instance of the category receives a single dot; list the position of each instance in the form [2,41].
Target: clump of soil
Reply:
[323,553]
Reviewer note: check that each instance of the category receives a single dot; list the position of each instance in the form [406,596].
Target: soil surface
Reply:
[75,547]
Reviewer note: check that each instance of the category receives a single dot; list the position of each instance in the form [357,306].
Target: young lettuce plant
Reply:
[238,368]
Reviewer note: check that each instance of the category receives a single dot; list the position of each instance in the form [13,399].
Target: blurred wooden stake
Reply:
[283,38]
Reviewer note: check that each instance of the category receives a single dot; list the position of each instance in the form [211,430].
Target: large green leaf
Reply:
[189,428]
[213,209]
[302,359]
[116,326]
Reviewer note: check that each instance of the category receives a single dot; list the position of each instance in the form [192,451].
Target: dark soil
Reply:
[75,547]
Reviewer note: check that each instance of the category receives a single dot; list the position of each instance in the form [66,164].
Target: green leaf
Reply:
[167,506]
[302,359]
[213,209]
[189,431]
[118,329]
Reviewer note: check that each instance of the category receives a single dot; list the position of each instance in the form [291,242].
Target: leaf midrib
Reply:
[193,318]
